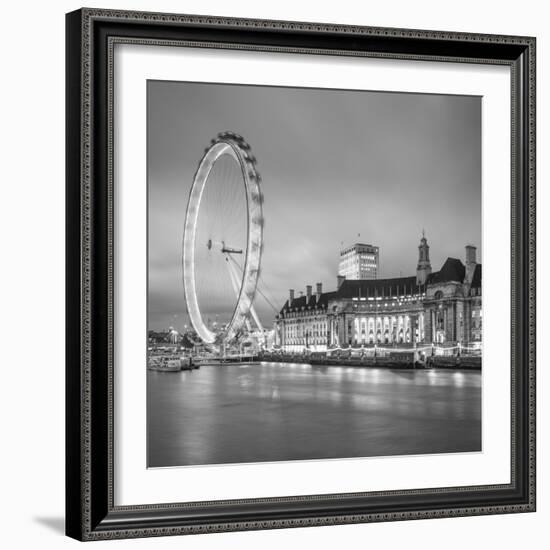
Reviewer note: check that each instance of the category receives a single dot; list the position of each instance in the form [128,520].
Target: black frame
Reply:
[90,511]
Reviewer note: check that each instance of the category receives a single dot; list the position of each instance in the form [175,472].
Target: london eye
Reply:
[222,241]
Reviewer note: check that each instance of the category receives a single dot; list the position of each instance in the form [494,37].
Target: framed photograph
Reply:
[300,274]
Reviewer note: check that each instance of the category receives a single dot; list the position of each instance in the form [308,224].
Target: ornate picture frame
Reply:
[90,465]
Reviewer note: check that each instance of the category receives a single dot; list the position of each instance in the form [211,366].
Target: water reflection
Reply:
[273,411]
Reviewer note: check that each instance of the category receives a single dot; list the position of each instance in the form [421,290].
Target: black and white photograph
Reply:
[314,274]
[300,276]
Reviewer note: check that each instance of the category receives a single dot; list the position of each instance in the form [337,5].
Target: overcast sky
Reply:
[334,164]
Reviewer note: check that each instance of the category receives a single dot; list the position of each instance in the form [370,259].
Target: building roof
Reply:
[476,279]
[364,288]
[453,270]
[301,301]
[357,245]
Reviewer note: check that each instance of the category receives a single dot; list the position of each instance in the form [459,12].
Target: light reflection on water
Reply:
[280,411]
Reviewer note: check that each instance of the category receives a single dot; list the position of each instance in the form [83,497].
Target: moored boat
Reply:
[164,364]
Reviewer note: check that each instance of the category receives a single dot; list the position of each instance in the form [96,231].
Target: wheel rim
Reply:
[234,146]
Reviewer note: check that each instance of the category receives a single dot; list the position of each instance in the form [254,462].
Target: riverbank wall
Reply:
[395,361]
[405,361]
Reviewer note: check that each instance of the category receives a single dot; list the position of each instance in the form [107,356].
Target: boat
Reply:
[164,363]
[187,363]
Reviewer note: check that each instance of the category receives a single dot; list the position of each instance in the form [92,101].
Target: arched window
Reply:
[438,295]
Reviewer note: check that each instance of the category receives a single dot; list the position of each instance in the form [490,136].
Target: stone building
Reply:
[442,307]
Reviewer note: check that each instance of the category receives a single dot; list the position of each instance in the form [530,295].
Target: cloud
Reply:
[334,165]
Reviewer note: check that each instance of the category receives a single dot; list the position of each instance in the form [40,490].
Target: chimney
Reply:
[470,263]
[319,290]
[470,254]
[290,297]
[308,293]
[339,280]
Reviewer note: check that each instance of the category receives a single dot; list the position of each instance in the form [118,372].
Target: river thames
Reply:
[266,412]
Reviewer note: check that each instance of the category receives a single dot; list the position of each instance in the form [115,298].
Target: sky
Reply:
[337,167]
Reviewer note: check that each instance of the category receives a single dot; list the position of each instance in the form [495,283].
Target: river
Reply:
[278,411]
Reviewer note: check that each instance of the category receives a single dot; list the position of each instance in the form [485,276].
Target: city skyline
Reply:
[334,165]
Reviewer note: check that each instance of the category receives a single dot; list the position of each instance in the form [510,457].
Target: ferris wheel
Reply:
[222,241]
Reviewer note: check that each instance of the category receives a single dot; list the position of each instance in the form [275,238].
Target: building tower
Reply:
[424,268]
[470,263]
[359,261]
